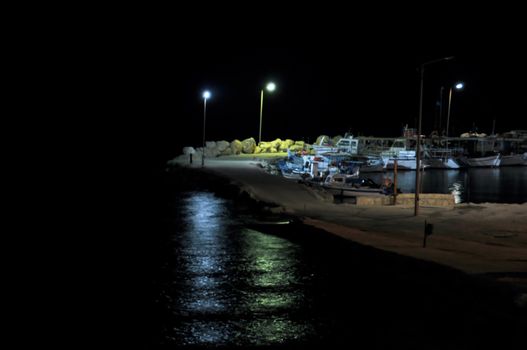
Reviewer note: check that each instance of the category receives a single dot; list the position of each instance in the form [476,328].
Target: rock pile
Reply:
[249,146]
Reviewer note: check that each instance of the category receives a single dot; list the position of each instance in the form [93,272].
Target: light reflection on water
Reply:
[477,185]
[236,286]
[225,285]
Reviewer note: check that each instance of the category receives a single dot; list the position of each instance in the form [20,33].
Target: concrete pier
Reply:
[476,238]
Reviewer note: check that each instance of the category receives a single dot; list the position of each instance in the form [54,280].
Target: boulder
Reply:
[222,145]
[248,145]
[211,152]
[276,143]
[188,150]
[236,147]
[264,146]
[226,152]
[300,143]
[257,150]
[295,148]
[335,139]
[322,139]
[286,144]
[210,144]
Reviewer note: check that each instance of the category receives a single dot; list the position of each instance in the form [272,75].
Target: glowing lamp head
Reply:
[459,86]
[271,87]
[206,94]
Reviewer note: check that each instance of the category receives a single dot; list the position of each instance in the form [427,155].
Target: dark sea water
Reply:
[219,283]
[476,185]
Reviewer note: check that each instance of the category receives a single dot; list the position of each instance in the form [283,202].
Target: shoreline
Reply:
[480,239]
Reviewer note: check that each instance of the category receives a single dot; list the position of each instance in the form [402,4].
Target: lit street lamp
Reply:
[418,146]
[270,87]
[206,95]
[458,86]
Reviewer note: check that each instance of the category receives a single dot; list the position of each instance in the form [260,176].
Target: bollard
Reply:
[395,182]
[429,228]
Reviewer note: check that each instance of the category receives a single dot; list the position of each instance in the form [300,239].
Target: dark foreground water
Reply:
[476,185]
[220,284]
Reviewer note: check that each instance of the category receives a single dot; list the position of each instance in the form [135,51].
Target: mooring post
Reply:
[428,231]
[395,182]
[424,238]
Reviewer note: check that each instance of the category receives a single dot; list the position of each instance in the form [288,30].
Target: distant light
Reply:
[206,94]
[271,87]
[459,86]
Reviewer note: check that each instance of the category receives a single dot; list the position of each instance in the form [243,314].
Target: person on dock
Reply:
[387,186]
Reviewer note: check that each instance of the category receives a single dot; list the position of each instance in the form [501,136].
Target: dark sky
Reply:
[333,89]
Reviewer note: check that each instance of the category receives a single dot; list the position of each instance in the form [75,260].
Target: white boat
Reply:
[477,162]
[320,149]
[442,163]
[406,158]
[513,159]
[441,159]
[341,184]
[367,164]
[292,175]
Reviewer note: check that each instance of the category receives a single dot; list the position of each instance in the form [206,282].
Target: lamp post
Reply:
[441,110]
[418,146]
[206,95]
[270,87]
[458,86]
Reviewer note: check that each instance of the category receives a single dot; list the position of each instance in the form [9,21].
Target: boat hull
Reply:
[492,161]
[402,164]
[515,159]
[442,163]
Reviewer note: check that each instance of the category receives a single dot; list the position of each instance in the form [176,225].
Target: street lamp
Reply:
[458,86]
[418,146]
[206,95]
[270,87]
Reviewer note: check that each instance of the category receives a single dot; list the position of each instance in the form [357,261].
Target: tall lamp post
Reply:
[270,87]
[418,146]
[206,95]
[458,86]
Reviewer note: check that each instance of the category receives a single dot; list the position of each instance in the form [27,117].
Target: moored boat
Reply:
[442,163]
[442,158]
[513,159]
[476,162]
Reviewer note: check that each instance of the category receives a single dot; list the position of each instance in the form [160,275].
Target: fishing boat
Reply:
[441,158]
[492,161]
[366,164]
[405,156]
[342,184]
[513,159]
